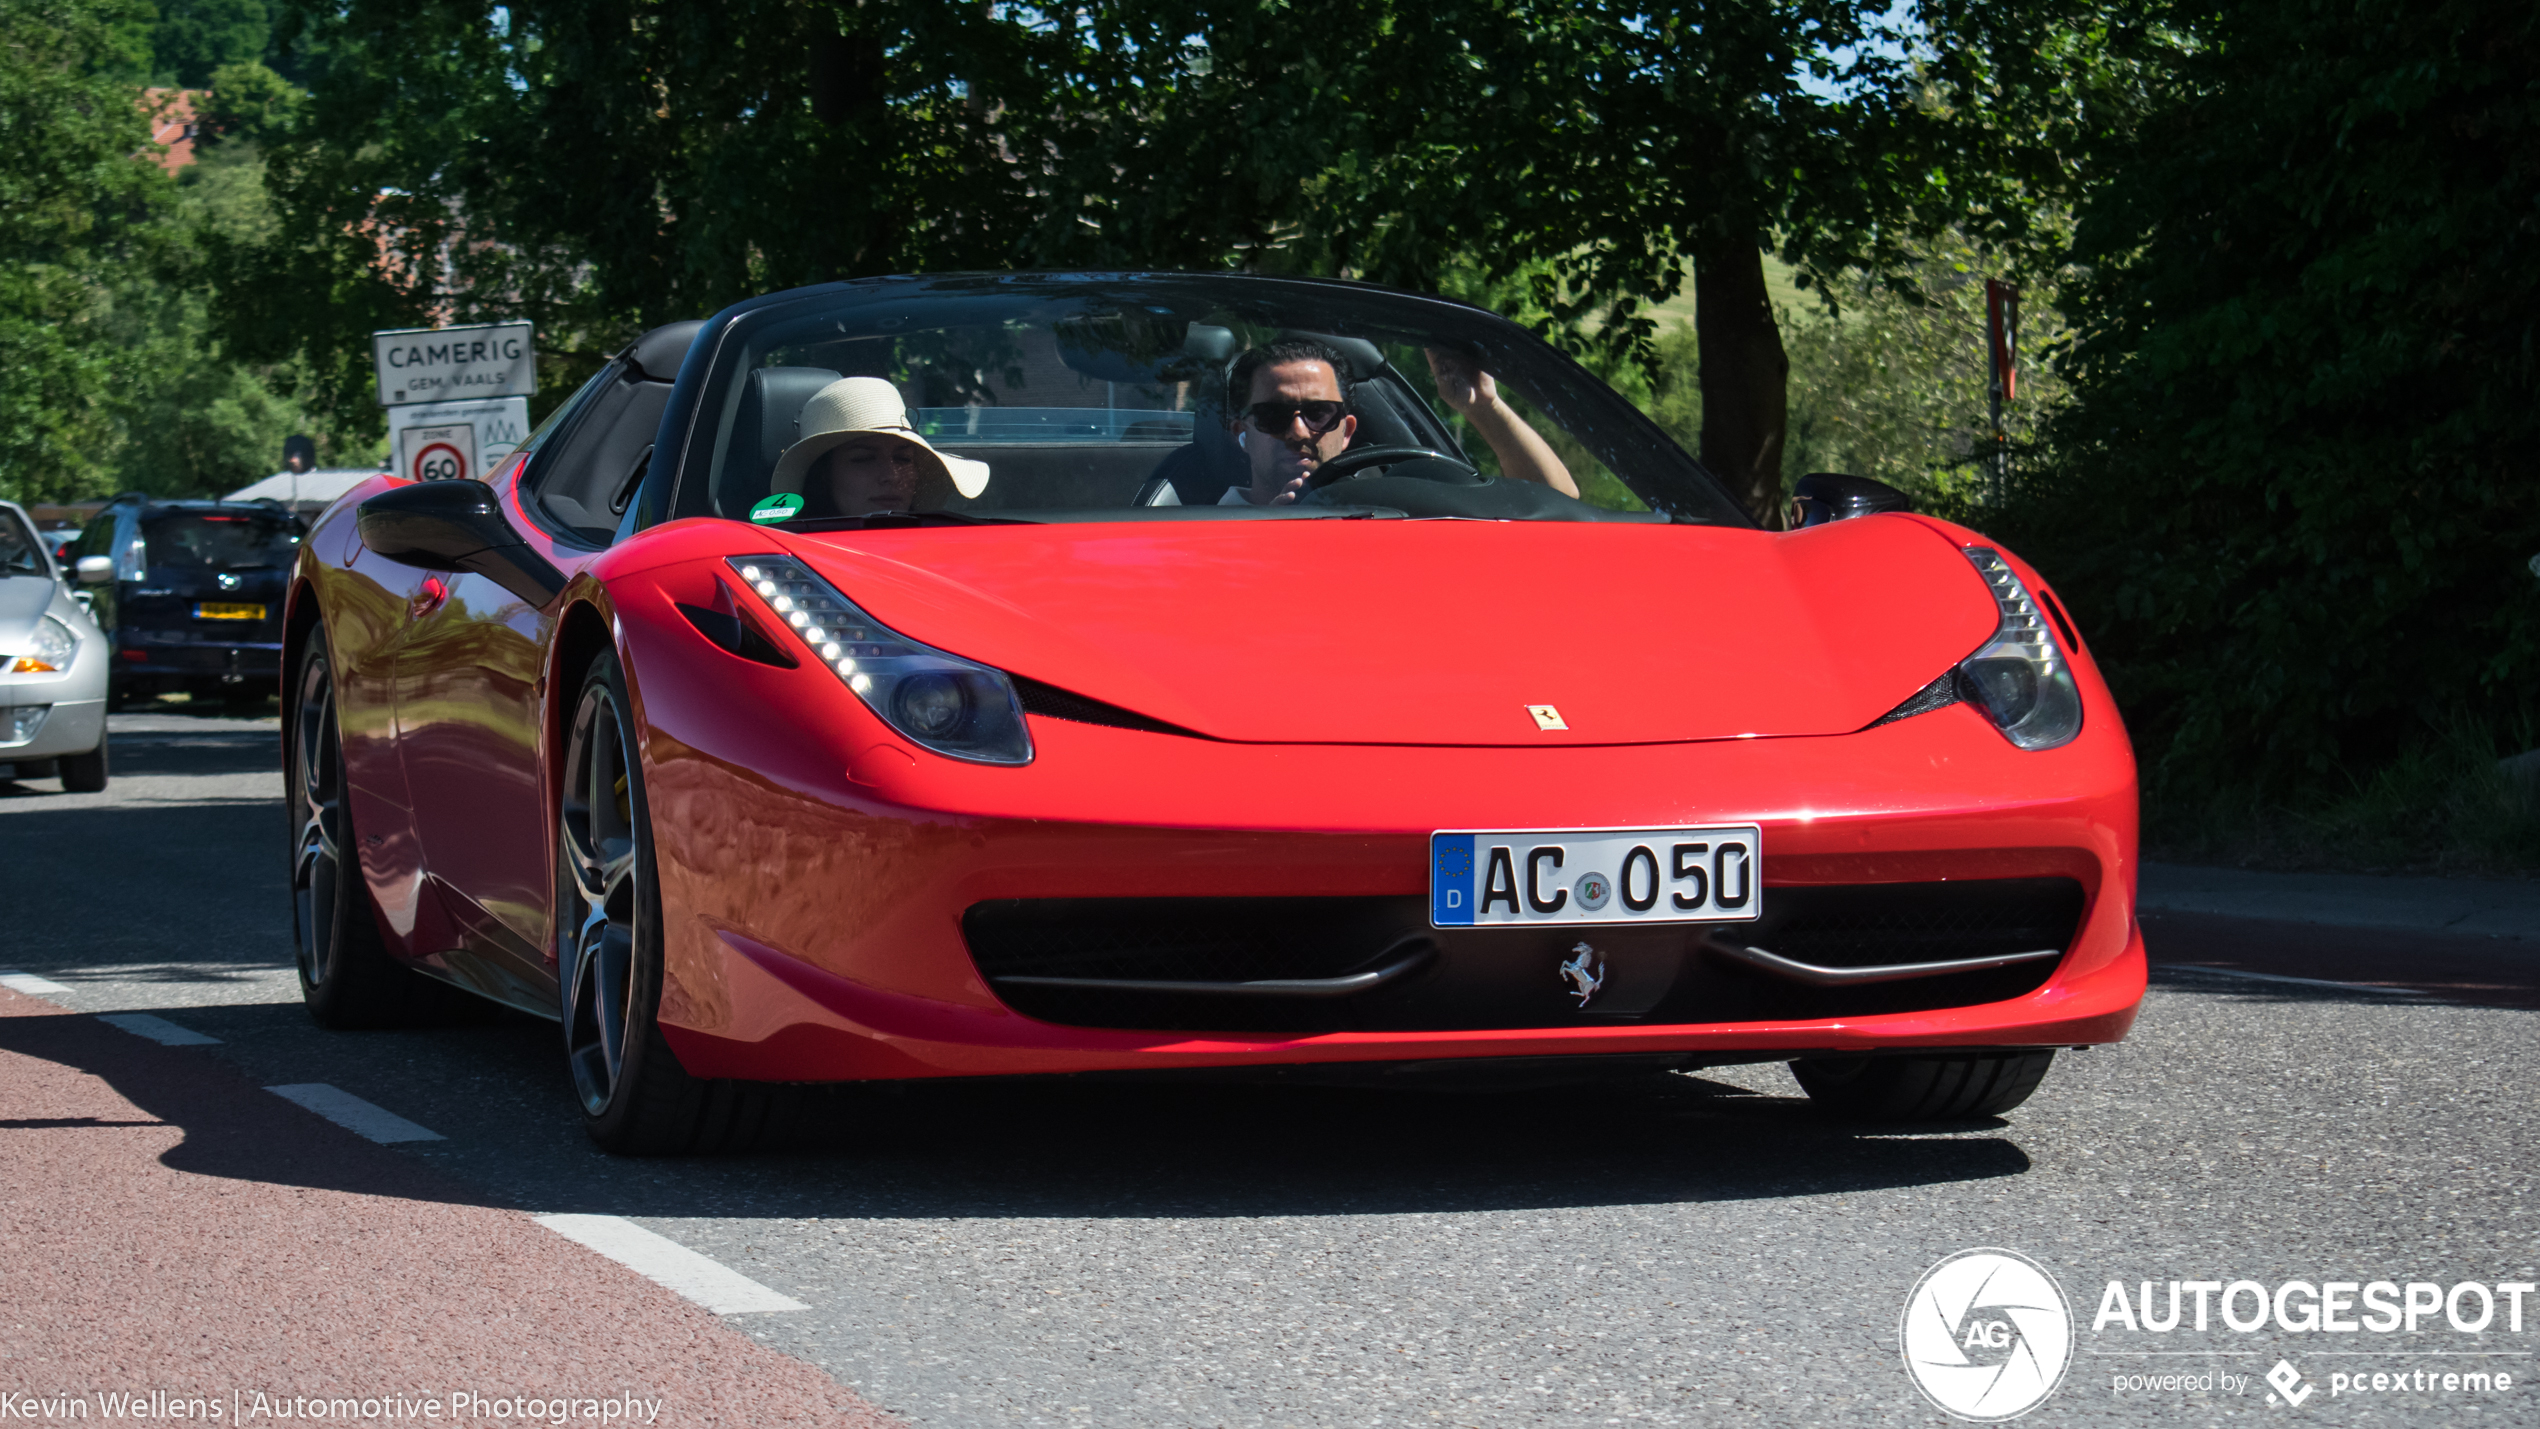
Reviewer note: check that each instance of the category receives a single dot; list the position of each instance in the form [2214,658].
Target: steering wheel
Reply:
[1358,459]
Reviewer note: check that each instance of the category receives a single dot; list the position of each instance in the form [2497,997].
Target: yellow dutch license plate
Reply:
[216,610]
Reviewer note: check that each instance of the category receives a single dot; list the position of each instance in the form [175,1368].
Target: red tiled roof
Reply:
[172,124]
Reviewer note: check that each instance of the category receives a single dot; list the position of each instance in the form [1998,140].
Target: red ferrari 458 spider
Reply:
[1021,674]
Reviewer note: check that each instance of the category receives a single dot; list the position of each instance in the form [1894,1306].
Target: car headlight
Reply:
[953,706]
[2019,679]
[50,652]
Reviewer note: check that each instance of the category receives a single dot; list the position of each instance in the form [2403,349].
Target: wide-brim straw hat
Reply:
[853,408]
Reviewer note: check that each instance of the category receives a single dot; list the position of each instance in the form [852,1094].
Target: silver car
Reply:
[53,662]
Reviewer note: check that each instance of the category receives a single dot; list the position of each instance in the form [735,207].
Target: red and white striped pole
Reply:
[2002,351]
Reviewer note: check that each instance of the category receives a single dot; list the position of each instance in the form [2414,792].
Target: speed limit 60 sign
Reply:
[438,453]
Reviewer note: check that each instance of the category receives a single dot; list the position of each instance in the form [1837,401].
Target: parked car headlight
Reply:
[2019,679]
[952,706]
[50,652]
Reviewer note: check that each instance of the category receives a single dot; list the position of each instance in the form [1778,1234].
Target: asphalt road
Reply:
[1680,1249]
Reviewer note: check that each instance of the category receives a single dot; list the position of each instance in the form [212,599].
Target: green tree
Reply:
[247,101]
[2295,501]
[1603,149]
[1893,384]
[598,166]
[195,420]
[78,207]
[194,38]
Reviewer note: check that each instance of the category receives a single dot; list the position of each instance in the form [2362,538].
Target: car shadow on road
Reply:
[1109,1149]
[1045,1148]
[232,1128]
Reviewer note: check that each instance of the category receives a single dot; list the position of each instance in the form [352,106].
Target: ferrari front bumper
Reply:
[826,926]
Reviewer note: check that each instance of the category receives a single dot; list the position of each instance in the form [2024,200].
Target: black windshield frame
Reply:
[1660,472]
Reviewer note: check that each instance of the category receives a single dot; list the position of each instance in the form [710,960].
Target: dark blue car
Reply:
[196,603]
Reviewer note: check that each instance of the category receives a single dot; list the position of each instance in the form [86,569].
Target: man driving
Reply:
[1289,403]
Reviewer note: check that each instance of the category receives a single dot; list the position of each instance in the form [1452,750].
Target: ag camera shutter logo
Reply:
[1986,1335]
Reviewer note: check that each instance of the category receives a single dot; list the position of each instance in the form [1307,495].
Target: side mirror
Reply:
[95,570]
[1824,496]
[457,526]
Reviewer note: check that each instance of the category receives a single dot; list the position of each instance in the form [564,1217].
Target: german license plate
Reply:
[218,610]
[1493,877]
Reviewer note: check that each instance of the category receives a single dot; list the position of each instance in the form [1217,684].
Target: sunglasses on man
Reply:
[1273,418]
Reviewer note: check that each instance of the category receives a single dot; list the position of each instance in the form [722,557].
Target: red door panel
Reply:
[467,728]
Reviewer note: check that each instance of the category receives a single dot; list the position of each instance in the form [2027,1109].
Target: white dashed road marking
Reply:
[157,1029]
[30,984]
[671,1265]
[353,1114]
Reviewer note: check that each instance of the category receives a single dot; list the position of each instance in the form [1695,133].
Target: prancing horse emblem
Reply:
[1584,972]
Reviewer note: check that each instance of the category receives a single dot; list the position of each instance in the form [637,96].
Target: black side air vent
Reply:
[1939,694]
[1051,702]
[735,634]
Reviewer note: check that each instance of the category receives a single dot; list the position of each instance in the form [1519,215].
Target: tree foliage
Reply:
[116,376]
[1894,384]
[195,38]
[1606,147]
[2295,495]
[76,207]
[598,166]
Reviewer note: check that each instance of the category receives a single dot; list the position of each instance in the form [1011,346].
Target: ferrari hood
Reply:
[1440,632]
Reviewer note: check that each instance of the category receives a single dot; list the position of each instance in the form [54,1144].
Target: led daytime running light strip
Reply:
[2020,678]
[953,706]
[2022,623]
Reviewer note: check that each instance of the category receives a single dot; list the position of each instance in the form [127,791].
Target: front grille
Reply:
[1867,925]
[1030,950]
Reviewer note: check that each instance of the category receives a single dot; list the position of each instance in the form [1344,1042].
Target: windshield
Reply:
[19,555]
[1175,397]
[222,541]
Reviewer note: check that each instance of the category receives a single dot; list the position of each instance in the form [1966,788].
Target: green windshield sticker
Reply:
[783,506]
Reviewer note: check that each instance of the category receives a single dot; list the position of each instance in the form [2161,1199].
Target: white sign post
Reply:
[491,431]
[452,363]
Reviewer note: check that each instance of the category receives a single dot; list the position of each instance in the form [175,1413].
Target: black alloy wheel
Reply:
[347,979]
[595,927]
[636,1098]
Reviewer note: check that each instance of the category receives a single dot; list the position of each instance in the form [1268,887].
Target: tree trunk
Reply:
[846,72]
[1745,375]
[847,89]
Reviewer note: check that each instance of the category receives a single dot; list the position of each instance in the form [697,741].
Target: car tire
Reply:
[1922,1088]
[636,1098]
[347,978]
[84,773]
